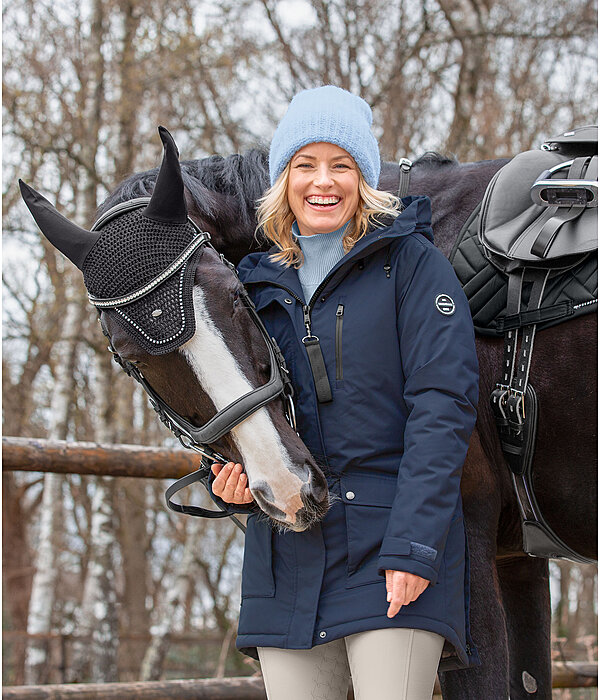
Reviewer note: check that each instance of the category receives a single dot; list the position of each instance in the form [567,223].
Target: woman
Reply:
[379,341]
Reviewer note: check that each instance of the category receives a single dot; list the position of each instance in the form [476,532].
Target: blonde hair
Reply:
[275,218]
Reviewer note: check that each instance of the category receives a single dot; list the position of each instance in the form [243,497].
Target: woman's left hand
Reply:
[402,589]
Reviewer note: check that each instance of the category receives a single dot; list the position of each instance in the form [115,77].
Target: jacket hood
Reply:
[414,218]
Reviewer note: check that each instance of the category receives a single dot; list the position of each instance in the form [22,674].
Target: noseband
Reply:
[190,436]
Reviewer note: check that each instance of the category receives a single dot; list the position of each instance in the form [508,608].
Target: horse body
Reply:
[510,603]
[510,596]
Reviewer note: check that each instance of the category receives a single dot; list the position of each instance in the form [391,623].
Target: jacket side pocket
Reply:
[257,570]
[368,505]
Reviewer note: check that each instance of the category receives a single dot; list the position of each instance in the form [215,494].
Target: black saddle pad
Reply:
[485,286]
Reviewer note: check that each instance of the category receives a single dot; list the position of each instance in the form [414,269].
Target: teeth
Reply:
[322,200]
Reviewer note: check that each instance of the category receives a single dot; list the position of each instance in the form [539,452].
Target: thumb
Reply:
[388,582]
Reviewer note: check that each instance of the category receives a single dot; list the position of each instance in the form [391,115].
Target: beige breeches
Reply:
[390,664]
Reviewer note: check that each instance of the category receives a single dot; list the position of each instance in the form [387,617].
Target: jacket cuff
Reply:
[399,554]
[233,507]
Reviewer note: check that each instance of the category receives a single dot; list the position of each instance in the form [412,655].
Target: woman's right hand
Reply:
[230,483]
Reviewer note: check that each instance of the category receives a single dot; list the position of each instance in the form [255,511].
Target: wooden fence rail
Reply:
[37,455]
[564,675]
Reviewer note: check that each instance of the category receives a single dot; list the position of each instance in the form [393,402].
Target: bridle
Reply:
[190,436]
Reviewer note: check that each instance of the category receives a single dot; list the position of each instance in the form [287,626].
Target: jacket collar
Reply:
[415,217]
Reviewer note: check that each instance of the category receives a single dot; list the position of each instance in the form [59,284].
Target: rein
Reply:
[190,436]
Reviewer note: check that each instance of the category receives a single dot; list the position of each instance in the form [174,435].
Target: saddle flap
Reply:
[511,224]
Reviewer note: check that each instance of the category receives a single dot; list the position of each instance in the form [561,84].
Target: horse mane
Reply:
[218,186]
[225,189]
[435,159]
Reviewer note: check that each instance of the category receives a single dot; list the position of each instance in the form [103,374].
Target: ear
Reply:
[72,240]
[168,201]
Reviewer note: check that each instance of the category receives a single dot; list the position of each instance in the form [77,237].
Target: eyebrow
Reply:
[302,155]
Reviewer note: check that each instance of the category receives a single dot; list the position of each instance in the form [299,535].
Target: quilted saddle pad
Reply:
[574,291]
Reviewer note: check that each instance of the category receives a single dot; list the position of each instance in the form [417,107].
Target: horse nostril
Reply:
[262,493]
[318,485]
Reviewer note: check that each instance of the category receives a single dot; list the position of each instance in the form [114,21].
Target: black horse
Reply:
[510,599]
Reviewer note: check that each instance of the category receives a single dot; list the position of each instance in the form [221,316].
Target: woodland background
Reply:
[106,582]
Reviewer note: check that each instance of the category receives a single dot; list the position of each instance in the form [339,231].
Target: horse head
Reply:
[175,314]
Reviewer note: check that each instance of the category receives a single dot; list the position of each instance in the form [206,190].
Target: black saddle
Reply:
[539,212]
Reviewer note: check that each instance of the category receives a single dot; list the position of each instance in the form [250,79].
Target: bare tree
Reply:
[85,86]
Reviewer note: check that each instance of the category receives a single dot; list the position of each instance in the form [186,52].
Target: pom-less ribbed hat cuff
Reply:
[368,169]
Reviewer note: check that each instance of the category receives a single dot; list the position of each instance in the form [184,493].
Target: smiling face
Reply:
[322,188]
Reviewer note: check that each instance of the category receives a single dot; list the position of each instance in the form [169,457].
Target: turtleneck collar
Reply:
[321,252]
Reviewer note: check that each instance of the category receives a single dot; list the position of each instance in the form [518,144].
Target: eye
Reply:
[343,166]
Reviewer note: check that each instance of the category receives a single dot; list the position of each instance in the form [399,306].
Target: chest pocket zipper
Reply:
[339,370]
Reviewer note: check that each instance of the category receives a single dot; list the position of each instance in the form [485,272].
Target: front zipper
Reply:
[339,319]
[306,308]
[312,346]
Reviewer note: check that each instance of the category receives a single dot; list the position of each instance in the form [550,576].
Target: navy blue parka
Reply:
[397,338]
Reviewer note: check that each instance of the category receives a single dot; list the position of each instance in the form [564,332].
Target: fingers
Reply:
[230,483]
[398,593]
[402,588]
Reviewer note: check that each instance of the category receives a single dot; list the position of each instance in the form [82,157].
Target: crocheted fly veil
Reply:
[139,258]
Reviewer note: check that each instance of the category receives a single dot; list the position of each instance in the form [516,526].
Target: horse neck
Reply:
[455,189]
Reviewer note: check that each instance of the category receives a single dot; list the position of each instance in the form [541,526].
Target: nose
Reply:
[323,176]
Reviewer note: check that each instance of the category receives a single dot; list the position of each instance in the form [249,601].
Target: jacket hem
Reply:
[247,643]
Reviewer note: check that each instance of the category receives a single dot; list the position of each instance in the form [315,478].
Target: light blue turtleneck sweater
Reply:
[321,252]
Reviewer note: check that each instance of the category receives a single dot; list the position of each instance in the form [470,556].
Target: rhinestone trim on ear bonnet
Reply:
[332,115]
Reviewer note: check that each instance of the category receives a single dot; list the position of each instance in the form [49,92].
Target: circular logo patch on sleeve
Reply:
[445,304]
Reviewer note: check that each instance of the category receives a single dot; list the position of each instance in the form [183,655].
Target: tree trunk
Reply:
[172,607]
[17,572]
[134,545]
[47,566]
[467,21]
[97,620]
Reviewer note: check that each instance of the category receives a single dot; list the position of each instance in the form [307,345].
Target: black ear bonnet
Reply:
[138,259]
[132,252]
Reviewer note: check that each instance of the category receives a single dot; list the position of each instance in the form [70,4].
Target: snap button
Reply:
[288,301]
[323,299]
[350,495]
[322,634]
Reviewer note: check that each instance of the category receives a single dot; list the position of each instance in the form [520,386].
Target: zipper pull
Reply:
[340,310]
[387,267]
[306,311]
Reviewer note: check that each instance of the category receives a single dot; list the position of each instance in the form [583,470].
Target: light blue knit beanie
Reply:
[332,115]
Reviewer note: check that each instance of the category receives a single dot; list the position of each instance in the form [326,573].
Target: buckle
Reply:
[515,401]
[565,193]
[405,164]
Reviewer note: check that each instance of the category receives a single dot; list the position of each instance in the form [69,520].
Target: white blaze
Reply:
[263,454]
